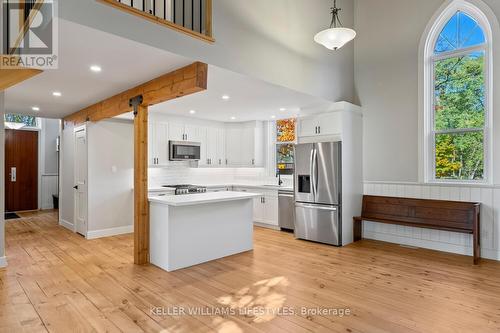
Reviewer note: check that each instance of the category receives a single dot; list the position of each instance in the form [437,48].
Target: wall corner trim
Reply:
[67,225]
[3,262]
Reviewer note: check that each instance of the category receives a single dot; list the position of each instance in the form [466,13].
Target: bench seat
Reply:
[455,216]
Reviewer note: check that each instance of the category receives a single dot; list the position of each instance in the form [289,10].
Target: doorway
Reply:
[81,181]
[21,170]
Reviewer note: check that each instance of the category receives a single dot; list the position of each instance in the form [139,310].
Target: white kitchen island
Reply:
[187,230]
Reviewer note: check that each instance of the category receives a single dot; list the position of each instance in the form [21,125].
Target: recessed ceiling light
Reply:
[35,108]
[273,117]
[192,111]
[233,118]
[282,109]
[225,97]
[57,94]
[95,68]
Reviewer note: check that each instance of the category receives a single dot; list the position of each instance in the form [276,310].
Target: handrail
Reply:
[191,17]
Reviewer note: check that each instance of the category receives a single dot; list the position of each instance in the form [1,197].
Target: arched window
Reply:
[458,106]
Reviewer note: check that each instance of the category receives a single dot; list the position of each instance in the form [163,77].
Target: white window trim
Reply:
[426,90]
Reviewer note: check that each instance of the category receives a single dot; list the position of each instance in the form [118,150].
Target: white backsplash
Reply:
[181,173]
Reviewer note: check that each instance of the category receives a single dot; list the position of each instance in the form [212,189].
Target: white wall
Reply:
[269,40]
[110,178]
[49,159]
[67,178]
[386,74]
[387,78]
[3,261]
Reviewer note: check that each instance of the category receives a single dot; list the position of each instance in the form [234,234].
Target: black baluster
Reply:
[7,28]
[165,9]
[175,12]
[183,13]
[201,16]
[154,7]
[192,15]
[144,5]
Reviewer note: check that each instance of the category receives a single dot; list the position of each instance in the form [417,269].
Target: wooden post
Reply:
[141,204]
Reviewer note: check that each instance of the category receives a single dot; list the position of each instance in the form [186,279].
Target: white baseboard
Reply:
[3,262]
[267,226]
[67,225]
[110,232]
[432,245]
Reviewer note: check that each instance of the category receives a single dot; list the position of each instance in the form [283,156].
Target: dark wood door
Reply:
[21,170]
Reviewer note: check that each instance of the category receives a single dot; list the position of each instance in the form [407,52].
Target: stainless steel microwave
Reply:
[184,151]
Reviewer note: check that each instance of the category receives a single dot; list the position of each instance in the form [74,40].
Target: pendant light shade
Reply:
[336,36]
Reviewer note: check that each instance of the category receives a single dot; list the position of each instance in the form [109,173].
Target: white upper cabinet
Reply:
[239,145]
[327,124]
[158,144]
[245,144]
[216,147]
[176,132]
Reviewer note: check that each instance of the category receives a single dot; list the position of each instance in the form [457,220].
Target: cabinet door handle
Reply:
[253,161]
[316,130]
[220,161]
[226,161]
[319,129]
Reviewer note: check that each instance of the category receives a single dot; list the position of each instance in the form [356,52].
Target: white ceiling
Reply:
[250,99]
[126,64]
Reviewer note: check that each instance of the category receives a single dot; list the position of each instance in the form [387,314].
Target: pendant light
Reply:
[336,36]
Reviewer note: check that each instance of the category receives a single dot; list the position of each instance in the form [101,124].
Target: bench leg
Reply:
[476,238]
[357,229]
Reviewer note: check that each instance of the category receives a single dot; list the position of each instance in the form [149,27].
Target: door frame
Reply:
[38,171]
[75,131]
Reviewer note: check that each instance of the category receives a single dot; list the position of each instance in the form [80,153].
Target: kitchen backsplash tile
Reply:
[181,173]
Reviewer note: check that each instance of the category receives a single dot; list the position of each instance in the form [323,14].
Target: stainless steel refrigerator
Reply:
[318,192]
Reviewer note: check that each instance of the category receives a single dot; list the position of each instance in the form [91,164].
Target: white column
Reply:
[3,260]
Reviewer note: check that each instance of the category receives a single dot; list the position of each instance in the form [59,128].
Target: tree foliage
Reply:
[460,104]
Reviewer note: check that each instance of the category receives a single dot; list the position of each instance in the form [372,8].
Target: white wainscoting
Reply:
[49,188]
[488,196]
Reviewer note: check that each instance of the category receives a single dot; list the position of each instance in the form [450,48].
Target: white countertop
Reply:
[202,198]
[236,184]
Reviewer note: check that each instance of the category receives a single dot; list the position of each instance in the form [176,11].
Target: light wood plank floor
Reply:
[56,281]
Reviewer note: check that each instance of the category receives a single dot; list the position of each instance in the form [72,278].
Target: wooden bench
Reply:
[453,216]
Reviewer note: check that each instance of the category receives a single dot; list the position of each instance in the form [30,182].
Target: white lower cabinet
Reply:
[265,207]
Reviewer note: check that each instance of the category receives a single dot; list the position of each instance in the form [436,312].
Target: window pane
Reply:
[460,156]
[29,121]
[284,159]
[285,130]
[460,32]
[459,92]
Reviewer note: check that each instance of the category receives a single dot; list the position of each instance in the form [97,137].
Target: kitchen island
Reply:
[186,230]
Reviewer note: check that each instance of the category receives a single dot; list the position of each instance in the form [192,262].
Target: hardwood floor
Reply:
[59,282]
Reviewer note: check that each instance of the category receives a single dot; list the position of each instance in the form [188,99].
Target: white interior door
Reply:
[81,182]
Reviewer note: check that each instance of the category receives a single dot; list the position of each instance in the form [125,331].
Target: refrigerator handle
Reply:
[315,172]
[311,171]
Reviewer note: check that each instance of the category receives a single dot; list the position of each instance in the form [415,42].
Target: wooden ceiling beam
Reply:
[10,75]
[185,81]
